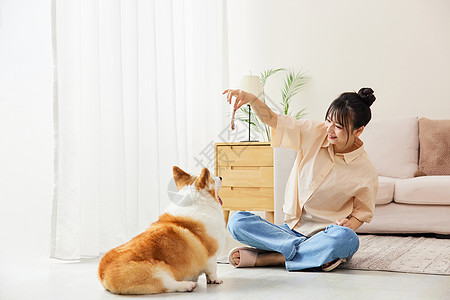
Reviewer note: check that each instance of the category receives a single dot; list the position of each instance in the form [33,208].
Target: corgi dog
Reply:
[175,250]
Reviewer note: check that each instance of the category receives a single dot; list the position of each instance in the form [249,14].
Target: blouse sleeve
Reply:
[296,134]
[364,201]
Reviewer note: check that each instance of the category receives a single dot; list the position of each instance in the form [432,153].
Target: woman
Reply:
[329,194]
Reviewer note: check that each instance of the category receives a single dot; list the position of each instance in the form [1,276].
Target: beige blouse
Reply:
[324,186]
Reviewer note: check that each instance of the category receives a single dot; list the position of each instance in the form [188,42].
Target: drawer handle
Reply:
[243,168]
[252,189]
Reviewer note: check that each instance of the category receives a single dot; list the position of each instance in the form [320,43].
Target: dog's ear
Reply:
[202,179]
[181,177]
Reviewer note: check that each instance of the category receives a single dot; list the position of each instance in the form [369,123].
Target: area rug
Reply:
[406,254]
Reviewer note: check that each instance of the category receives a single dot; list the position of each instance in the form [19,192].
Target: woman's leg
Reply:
[299,252]
[332,243]
[254,231]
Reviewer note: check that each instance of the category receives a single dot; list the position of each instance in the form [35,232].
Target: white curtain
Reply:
[137,89]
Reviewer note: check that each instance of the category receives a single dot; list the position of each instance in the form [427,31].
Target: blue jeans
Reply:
[299,251]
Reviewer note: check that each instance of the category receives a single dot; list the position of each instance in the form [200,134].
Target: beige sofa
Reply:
[405,204]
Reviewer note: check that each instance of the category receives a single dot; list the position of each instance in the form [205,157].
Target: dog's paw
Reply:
[187,286]
[214,281]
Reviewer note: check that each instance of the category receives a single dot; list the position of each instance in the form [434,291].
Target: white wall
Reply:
[400,48]
[26,128]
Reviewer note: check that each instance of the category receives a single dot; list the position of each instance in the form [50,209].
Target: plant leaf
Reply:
[300,114]
[292,85]
[255,123]
[267,73]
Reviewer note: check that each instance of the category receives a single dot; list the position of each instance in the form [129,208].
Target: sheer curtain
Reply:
[137,89]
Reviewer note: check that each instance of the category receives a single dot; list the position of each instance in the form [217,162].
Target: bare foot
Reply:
[263,259]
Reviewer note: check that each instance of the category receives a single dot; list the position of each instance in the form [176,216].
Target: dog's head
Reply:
[205,184]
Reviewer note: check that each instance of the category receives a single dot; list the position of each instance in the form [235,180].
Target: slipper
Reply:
[248,256]
[334,265]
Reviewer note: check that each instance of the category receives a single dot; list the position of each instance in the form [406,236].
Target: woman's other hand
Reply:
[352,223]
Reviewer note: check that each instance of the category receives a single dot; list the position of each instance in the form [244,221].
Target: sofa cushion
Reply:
[385,193]
[434,138]
[423,190]
[393,146]
[405,218]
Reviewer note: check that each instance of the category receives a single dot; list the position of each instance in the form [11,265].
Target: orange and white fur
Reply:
[175,250]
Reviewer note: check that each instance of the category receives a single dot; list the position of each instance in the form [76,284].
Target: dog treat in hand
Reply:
[232,119]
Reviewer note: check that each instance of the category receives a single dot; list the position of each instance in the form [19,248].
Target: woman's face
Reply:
[336,131]
[337,135]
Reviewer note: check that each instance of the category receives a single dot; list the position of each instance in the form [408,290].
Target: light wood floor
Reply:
[52,279]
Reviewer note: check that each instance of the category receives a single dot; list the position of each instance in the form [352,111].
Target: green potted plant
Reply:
[293,83]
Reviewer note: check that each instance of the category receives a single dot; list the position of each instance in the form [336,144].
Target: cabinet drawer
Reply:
[247,198]
[246,176]
[228,156]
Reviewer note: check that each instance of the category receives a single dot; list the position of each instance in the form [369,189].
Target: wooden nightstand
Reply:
[247,177]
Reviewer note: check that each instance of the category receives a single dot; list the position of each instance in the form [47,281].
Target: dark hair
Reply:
[352,110]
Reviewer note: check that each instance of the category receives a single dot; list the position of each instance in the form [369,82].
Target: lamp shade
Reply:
[252,84]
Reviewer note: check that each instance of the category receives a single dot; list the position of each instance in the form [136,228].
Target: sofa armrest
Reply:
[283,160]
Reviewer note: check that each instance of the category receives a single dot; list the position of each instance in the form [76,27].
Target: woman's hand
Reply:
[352,223]
[242,97]
[262,111]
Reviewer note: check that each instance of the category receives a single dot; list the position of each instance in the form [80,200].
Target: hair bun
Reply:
[367,95]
